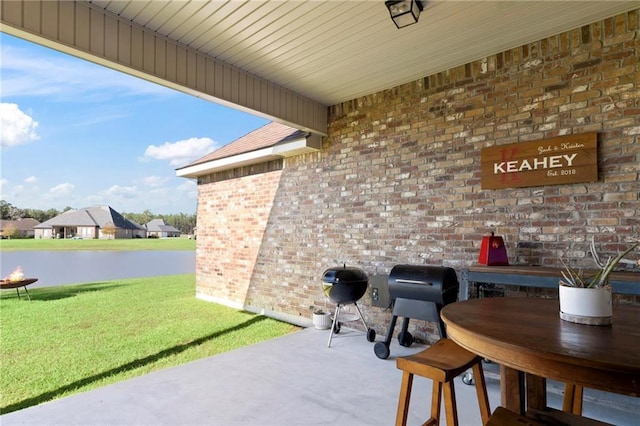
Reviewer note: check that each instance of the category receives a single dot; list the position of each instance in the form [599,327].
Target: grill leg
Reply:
[381,349]
[366,327]
[387,340]
[333,325]
[405,325]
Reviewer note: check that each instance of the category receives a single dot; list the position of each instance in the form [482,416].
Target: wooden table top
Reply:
[527,334]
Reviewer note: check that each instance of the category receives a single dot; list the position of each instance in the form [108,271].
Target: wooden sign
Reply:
[561,160]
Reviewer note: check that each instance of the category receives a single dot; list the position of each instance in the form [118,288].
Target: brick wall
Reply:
[233,209]
[398,178]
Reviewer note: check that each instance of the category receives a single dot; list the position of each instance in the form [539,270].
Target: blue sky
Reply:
[78,134]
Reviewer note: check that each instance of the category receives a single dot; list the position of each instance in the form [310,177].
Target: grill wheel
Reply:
[405,339]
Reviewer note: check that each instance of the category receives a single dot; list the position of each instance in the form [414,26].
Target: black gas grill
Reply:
[419,292]
[346,285]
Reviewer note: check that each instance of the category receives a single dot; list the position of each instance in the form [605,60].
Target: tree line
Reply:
[186,223]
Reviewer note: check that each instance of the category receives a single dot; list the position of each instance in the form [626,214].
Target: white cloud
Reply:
[160,193]
[62,189]
[16,127]
[154,181]
[31,179]
[188,185]
[122,191]
[24,196]
[189,189]
[181,152]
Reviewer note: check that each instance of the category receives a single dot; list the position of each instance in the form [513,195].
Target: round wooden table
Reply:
[526,335]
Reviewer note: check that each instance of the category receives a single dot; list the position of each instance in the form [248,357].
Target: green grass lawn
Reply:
[70,339]
[116,244]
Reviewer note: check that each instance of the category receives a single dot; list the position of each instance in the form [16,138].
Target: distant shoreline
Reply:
[133,244]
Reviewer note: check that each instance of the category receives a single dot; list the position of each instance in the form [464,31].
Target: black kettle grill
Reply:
[419,292]
[344,286]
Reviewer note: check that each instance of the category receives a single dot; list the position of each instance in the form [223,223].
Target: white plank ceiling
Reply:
[333,51]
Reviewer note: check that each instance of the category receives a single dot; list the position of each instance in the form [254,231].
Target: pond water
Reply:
[72,267]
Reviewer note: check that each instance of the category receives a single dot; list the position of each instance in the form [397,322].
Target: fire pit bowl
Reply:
[9,284]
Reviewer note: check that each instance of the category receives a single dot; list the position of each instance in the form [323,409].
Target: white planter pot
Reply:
[322,321]
[591,306]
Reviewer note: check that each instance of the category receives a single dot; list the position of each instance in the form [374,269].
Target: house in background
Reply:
[90,223]
[158,228]
[20,228]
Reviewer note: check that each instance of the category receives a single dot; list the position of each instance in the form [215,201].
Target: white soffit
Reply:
[333,51]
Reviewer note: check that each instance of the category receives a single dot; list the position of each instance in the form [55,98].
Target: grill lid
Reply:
[344,274]
[436,284]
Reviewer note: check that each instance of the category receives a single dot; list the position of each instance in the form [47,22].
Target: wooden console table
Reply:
[536,276]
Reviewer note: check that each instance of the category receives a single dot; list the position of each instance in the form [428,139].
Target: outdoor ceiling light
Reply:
[404,12]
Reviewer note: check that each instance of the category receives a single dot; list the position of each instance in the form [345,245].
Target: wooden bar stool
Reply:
[442,362]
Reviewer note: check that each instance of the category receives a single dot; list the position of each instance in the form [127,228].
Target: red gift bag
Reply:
[493,252]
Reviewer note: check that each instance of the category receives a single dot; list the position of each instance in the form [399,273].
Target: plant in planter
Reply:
[321,319]
[586,299]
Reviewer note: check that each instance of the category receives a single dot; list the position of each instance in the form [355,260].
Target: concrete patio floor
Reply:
[291,380]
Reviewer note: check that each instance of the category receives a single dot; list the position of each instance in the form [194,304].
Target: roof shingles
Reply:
[264,137]
[90,216]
